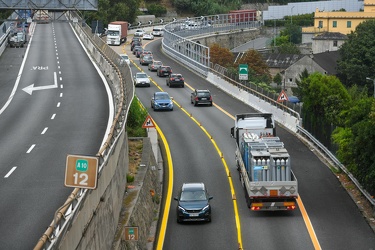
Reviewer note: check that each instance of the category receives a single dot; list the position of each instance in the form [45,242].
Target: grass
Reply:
[135,157]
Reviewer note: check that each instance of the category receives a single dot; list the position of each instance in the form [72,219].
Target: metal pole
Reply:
[274,31]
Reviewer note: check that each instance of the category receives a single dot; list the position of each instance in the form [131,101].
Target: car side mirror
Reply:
[175,198]
[172,98]
[210,198]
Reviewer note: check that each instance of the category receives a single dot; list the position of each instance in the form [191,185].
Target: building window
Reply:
[334,43]
[320,24]
[334,24]
[348,24]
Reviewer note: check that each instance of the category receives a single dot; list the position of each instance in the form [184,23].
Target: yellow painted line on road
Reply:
[164,220]
[308,224]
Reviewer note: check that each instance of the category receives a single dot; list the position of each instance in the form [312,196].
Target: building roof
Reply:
[331,36]
[328,61]
[281,60]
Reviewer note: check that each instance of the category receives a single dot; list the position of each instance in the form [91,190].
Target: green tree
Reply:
[358,57]
[324,98]
[156,9]
[288,48]
[137,116]
[294,32]
[256,63]
[302,85]
[278,79]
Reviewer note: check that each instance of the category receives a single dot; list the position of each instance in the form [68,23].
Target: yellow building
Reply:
[338,21]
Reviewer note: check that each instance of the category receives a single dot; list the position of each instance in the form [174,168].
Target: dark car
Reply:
[136,48]
[161,101]
[135,43]
[164,71]
[193,203]
[138,52]
[175,80]
[201,96]
[146,59]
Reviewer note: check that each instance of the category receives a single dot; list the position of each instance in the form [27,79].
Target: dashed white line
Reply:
[53,116]
[61,86]
[61,94]
[10,172]
[31,148]
[59,72]
[58,104]
[44,130]
[60,78]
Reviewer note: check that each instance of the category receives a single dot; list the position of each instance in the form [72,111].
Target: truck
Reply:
[263,163]
[17,39]
[242,16]
[117,32]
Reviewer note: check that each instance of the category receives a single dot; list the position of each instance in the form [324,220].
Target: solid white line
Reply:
[31,148]
[53,116]
[10,98]
[44,130]
[10,172]
[58,104]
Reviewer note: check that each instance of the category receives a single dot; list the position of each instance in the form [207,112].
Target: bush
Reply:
[156,9]
[137,116]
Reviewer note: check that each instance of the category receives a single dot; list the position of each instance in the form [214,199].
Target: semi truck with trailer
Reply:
[117,32]
[263,163]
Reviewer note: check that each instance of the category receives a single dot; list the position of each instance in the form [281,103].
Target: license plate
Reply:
[203,98]
[177,80]
[194,215]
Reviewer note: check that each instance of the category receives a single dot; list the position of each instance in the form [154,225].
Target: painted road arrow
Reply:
[29,89]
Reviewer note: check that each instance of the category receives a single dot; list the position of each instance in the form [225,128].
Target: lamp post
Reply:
[291,15]
[373,81]
[274,31]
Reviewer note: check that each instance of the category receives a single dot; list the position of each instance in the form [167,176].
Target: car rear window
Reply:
[203,94]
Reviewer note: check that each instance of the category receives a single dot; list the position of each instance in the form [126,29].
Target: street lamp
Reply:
[291,15]
[274,31]
[373,81]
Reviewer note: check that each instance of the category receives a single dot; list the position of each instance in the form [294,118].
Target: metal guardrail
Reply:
[337,163]
[122,96]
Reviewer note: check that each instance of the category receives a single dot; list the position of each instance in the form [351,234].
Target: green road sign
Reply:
[243,71]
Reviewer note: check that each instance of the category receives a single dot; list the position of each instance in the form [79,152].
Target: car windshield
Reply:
[196,195]
[125,57]
[162,97]
[203,94]
[141,76]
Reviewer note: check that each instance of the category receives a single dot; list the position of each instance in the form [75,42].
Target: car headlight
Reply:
[205,208]
[181,209]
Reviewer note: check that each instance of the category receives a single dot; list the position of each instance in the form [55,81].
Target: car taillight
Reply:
[210,98]
[182,79]
[196,98]
[172,79]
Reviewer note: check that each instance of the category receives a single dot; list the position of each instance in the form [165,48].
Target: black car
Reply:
[201,96]
[164,71]
[175,80]
[193,203]
[138,52]
[135,43]
[136,48]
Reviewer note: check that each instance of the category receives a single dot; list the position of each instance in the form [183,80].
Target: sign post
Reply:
[243,72]
[81,171]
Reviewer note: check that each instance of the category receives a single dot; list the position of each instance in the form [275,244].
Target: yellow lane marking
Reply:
[308,224]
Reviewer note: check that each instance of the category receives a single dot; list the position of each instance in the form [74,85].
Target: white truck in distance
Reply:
[117,32]
[264,164]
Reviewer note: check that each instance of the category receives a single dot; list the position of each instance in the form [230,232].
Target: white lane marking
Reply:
[10,172]
[44,130]
[59,72]
[53,116]
[31,148]
[58,67]
[61,94]
[10,98]
[60,78]
[61,86]
[58,104]
[29,89]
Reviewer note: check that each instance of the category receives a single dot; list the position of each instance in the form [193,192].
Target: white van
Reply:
[157,32]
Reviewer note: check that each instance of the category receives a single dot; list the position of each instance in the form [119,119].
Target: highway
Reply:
[39,130]
[327,218]
[66,111]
